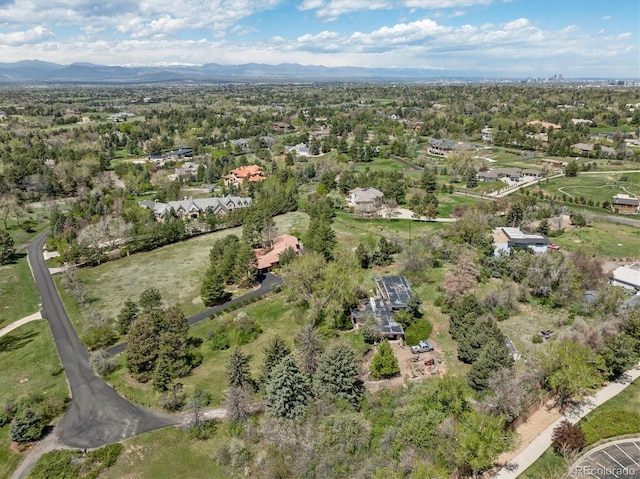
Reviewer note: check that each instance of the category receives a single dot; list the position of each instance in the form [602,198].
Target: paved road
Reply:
[97,415]
[267,283]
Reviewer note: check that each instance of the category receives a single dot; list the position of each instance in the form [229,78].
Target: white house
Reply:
[505,239]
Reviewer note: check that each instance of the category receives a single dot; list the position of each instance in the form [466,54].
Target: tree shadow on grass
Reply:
[14,341]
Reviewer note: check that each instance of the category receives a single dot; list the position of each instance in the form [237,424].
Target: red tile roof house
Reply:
[238,176]
[271,259]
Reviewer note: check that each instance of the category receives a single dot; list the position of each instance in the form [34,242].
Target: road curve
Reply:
[97,415]
[267,283]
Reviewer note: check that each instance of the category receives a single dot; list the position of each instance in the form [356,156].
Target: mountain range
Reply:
[36,71]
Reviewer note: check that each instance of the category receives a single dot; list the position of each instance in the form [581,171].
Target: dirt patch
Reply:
[532,428]
[412,366]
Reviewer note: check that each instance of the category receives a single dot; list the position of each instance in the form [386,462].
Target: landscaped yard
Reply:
[29,364]
[19,296]
[604,239]
[593,186]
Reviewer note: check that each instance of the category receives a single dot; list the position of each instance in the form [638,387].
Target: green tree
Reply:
[150,300]
[569,370]
[493,356]
[26,426]
[213,290]
[288,391]
[7,247]
[321,238]
[127,315]
[572,169]
[384,363]
[428,181]
[142,347]
[237,371]
[471,177]
[362,253]
[275,351]
[338,375]
[245,270]
[309,348]
[480,439]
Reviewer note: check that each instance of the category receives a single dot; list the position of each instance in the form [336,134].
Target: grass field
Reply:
[29,364]
[551,465]
[593,186]
[167,454]
[176,270]
[382,164]
[19,296]
[604,239]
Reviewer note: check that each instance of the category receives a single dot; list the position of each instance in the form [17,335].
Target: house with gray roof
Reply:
[365,201]
[194,207]
[506,239]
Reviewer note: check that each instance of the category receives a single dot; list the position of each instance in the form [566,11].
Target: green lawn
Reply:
[29,363]
[19,296]
[273,316]
[593,186]
[449,202]
[550,465]
[382,164]
[176,270]
[604,239]
[167,454]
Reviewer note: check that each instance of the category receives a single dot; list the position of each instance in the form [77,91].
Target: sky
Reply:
[521,38]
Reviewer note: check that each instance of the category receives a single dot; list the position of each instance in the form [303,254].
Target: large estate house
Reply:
[626,204]
[194,207]
[238,176]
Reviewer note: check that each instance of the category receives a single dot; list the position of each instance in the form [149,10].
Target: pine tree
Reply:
[363,256]
[127,315]
[237,372]
[309,349]
[26,426]
[384,364]
[142,348]
[428,181]
[245,270]
[471,177]
[288,391]
[7,247]
[338,374]
[150,300]
[274,352]
[320,237]
[493,356]
[213,291]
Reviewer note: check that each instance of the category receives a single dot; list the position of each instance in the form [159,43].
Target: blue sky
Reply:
[578,38]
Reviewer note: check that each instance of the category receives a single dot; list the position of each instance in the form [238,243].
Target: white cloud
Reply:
[34,35]
[332,9]
[606,17]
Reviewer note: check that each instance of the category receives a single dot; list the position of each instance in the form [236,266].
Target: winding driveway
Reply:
[97,415]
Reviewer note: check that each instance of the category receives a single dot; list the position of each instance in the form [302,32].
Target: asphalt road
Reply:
[97,415]
[267,283]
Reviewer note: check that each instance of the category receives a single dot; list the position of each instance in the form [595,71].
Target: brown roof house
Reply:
[271,259]
[239,176]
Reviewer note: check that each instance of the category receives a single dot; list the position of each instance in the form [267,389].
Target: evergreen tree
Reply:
[127,315]
[7,247]
[363,256]
[572,169]
[338,375]
[493,356]
[26,426]
[142,347]
[245,270]
[515,215]
[274,352]
[288,391]
[414,305]
[309,348]
[428,180]
[321,238]
[384,364]
[475,337]
[471,177]
[150,300]
[162,374]
[213,291]
[237,372]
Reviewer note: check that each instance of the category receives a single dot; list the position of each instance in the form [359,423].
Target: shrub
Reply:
[100,337]
[568,439]
[102,363]
[384,364]
[418,331]
[7,413]
[536,339]
[26,426]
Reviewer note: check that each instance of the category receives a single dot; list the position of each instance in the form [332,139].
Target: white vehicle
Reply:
[422,347]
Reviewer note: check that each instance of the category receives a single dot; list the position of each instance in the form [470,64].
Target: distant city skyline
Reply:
[524,38]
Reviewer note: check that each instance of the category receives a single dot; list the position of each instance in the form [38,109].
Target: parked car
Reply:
[553,246]
[422,347]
